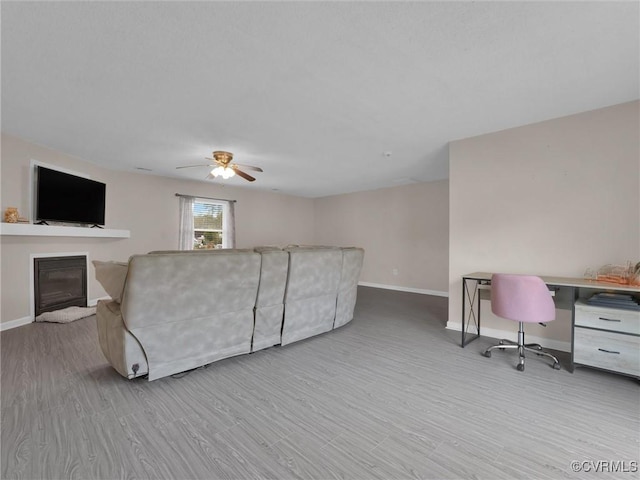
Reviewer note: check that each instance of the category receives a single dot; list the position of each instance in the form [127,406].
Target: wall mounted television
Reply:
[63,197]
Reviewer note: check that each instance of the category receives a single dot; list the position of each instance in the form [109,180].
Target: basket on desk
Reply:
[619,274]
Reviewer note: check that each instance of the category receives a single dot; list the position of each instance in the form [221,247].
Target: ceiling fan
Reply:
[224,168]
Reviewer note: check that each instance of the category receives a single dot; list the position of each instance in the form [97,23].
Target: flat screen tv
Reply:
[63,197]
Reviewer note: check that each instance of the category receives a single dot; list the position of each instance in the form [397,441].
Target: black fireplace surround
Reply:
[60,282]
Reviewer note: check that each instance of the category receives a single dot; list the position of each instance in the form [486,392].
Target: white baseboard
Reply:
[513,335]
[404,289]
[27,320]
[18,322]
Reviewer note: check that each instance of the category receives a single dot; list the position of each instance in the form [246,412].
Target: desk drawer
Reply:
[612,351]
[626,321]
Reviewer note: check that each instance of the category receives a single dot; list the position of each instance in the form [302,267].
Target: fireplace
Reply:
[59,282]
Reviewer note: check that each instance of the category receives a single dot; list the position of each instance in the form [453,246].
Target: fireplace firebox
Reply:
[60,282]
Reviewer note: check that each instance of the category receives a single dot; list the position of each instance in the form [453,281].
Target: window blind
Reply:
[207,216]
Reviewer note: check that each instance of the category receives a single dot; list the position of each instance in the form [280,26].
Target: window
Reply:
[207,224]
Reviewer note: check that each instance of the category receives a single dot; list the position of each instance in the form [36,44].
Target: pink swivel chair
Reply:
[523,299]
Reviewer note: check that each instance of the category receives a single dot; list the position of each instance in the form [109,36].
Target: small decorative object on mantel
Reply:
[11,215]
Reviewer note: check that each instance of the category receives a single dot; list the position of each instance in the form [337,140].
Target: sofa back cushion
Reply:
[312,287]
[313,272]
[273,277]
[163,288]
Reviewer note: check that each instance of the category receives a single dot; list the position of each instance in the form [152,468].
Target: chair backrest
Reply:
[522,298]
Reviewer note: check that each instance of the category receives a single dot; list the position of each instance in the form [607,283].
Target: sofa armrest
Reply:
[121,349]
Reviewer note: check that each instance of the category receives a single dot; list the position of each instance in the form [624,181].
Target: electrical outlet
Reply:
[395,271]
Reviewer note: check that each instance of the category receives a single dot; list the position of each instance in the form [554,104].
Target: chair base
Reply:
[522,347]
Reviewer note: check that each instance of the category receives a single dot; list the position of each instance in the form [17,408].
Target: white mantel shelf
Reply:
[28,229]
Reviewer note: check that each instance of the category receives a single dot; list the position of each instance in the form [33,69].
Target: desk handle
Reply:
[608,351]
[609,319]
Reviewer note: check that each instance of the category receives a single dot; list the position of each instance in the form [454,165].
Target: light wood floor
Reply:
[391,395]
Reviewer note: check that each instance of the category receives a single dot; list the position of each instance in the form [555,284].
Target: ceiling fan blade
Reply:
[191,166]
[248,167]
[240,173]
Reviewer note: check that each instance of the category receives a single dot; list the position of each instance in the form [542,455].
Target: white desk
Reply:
[566,292]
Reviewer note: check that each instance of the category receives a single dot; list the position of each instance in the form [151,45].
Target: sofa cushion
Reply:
[273,278]
[312,288]
[164,288]
[313,272]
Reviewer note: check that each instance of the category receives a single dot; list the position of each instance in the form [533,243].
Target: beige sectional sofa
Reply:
[178,310]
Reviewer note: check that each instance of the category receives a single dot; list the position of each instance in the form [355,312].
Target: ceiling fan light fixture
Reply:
[224,168]
[224,172]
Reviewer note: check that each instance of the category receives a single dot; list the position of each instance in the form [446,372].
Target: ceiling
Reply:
[318,94]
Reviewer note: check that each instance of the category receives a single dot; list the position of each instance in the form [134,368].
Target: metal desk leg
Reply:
[464,303]
[575,292]
[474,312]
[479,310]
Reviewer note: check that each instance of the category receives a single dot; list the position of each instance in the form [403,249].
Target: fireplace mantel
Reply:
[28,229]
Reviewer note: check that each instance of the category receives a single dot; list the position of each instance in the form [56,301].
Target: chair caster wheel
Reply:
[487,353]
[520,367]
[556,366]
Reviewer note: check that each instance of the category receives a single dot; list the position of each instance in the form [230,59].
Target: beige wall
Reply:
[144,204]
[404,228]
[551,198]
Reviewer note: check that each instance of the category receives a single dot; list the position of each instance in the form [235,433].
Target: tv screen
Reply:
[62,197]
